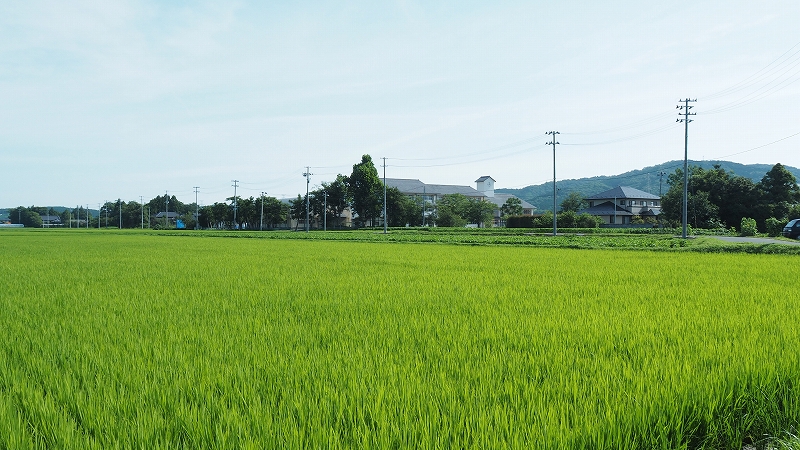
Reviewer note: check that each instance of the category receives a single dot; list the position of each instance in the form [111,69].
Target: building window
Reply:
[622,202]
[591,204]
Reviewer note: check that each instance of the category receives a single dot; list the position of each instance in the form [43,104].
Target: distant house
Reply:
[50,221]
[171,217]
[620,204]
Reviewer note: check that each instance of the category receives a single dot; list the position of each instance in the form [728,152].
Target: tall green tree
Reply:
[401,209]
[297,210]
[511,207]
[222,215]
[28,217]
[451,210]
[480,212]
[366,191]
[574,202]
[779,190]
[275,212]
[337,198]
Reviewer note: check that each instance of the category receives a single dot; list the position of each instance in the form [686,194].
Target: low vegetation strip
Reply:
[135,340]
[575,239]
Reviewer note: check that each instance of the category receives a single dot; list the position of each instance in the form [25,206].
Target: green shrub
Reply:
[520,222]
[748,227]
[775,226]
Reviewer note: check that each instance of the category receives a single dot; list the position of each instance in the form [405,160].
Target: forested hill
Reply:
[646,179]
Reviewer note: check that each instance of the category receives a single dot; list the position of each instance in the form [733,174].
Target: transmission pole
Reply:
[196,209]
[120,213]
[385,219]
[553,143]
[307,174]
[141,201]
[660,182]
[166,214]
[235,185]
[261,225]
[325,211]
[686,120]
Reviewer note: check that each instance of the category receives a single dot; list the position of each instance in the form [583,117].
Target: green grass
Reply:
[144,341]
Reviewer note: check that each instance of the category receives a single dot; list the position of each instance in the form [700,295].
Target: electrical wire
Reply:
[629,138]
[742,84]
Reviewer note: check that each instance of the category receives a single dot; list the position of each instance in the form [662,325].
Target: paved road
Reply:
[755,240]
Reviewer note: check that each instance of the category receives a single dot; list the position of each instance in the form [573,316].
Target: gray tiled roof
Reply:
[409,186]
[623,192]
[606,209]
[500,199]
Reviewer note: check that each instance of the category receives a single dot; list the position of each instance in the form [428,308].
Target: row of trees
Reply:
[362,192]
[720,199]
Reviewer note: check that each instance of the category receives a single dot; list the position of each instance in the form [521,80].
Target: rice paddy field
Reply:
[130,340]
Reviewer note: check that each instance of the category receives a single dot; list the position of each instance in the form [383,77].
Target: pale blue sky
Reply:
[106,100]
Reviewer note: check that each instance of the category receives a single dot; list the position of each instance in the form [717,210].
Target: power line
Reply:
[743,84]
[629,138]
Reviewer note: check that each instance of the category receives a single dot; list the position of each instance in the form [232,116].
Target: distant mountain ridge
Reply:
[646,179]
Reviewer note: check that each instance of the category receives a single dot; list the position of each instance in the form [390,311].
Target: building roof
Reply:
[170,215]
[606,209]
[409,186]
[500,199]
[623,192]
[484,178]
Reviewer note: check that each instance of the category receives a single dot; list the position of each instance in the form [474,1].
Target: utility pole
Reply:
[307,174]
[196,209]
[235,185]
[686,114]
[324,210]
[141,202]
[553,143]
[87,216]
[99,208]
[385,219]
[261,226]
[660,182]
[423,205]
[166,214]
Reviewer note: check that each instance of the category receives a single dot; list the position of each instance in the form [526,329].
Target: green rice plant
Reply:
[164,341]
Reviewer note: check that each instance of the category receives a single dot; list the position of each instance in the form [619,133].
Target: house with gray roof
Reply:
[620,204]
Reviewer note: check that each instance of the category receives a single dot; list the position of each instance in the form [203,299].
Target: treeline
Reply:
[362,192]
[720,199]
